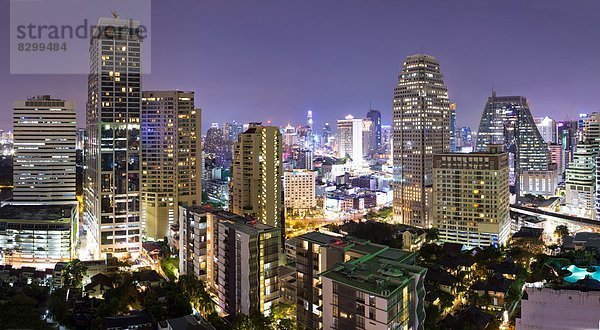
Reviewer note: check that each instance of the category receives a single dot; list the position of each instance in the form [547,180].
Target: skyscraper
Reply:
[171,166]
[256,187]
[45,133]
[375,117]
[350,139]
[112,178]
[507,120]
[548,128]
[421,128]
[326,134]
[582,195]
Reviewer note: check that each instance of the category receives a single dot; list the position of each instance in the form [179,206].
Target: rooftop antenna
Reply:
[115,14]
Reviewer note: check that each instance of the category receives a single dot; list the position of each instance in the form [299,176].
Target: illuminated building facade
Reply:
[471,197]
[350,139]
[507,120]
[421,128]
[256,187]
[45,133]
[171,170]
[112,175]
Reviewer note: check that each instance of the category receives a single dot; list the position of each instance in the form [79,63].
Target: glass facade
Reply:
[112,178]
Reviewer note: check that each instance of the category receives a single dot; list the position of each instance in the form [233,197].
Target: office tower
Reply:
[171,166]
[375,117]
[350,139]
[567,133]
[507,120]
[383,290]
[326,134]
[548,128]
[299,191]
[471,197]
[256,187]
[368,136]
[421,128]
[112,177]
[452,127]
[45,134]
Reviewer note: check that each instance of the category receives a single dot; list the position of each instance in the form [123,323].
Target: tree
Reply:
[561,232]
[197,294]
[431,234]
[73,273]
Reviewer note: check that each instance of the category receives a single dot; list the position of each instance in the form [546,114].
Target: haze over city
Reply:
[272,60]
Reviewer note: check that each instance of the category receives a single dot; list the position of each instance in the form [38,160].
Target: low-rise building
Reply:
[37,235]
[554,309]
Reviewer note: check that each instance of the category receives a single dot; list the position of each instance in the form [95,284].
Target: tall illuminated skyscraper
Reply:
[256,186]
[375,117]
[421,128]
[507,120]
[112,175]
[171,164]
[350,139]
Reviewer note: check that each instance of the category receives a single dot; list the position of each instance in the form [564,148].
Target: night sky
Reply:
[254,60]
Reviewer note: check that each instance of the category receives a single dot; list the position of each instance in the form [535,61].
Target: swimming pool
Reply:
[578,273]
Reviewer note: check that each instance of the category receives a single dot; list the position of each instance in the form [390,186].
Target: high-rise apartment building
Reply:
[45,133]
[299,190]
[421,128]
[349,139]
[471,197]
[375,117]
[171,170]
[256,187]
[237,257]
[507,120]
[112,175]
[582,195]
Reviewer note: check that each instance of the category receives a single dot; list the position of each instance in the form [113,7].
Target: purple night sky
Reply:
[270,60]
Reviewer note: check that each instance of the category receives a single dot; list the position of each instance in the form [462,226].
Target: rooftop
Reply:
[380,273]
[36,212]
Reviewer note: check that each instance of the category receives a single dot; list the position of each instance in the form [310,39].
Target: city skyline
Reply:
[281,67]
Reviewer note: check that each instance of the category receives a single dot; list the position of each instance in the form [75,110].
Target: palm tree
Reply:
[197,293]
